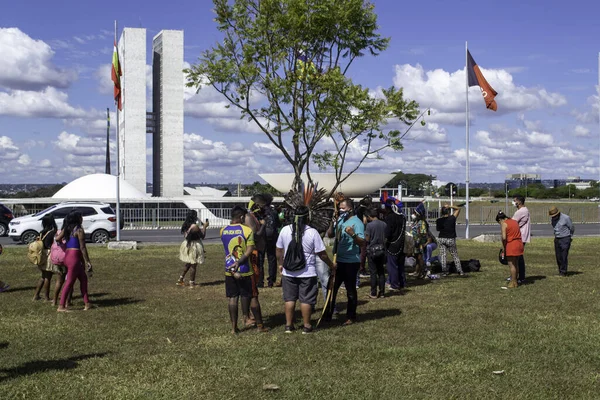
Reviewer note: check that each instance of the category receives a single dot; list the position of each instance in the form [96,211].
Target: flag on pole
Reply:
[476,79]
[116,77]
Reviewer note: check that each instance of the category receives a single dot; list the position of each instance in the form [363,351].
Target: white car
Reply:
[99,221]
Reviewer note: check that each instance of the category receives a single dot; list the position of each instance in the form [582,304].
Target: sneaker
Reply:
[180,283]
[433,276]
[307,330]
[508,279]
[428,264]
[193,285]
[290,328]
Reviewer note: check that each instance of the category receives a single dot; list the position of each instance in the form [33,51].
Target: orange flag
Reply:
[476,79]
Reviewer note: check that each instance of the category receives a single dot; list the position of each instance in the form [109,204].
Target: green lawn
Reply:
[148,339]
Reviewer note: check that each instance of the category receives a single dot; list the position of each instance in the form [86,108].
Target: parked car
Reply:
[6,215]
[99,221]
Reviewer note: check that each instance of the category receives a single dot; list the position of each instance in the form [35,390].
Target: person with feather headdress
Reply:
[298,246]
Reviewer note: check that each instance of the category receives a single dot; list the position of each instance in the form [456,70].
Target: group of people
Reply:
[516,233]
[74,265]
[303,263]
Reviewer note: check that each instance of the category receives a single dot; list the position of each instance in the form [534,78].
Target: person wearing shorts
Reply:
[300,284]
[238,243]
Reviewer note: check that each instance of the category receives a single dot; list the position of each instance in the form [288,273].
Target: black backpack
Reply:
[294,257]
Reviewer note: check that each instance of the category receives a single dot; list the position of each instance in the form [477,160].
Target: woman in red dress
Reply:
[513,244]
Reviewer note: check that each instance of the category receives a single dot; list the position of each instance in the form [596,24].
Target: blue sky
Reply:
[542,59]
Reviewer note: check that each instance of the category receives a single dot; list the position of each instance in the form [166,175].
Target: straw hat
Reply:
[553,211]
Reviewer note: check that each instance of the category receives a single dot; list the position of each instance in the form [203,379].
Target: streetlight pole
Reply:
[506,193]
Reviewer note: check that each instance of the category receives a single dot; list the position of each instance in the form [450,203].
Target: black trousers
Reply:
[271,257]
[376,267]
[561,250]
[521,275]
[346,274]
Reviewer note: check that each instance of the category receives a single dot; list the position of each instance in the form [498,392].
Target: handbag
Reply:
[502,257]
[376,251]
[409,243]
[57,252]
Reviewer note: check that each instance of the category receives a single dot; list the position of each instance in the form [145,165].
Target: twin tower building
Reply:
[164,122]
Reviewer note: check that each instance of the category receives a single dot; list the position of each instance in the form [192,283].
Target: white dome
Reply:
[357,185]
[98,186]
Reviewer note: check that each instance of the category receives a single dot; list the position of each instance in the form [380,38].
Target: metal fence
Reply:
[172,218]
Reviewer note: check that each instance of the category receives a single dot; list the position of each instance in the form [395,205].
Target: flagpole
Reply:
[598,92]
[107,166]
[118,196]
[467,134]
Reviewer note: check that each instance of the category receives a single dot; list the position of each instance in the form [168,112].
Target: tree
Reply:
[284,63]
[416,184]
[258,187]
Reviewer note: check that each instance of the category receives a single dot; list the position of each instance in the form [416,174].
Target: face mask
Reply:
[514,203]
[413,217]
[343,214]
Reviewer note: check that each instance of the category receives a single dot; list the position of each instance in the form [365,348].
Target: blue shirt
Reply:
[347,250]
[563,227]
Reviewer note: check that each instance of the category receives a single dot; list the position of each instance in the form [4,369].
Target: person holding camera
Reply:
[446,226]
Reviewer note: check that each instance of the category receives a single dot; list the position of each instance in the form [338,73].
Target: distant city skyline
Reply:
[55,86]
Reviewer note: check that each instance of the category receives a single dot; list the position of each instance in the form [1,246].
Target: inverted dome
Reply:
[357,185]
[98,186]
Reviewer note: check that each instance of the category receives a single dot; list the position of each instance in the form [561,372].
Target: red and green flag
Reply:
[476,79]
[116,78]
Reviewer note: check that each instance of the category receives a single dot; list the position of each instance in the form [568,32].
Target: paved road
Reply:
[167,236]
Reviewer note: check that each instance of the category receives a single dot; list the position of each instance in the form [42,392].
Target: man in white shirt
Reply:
[524,221]
[299,281]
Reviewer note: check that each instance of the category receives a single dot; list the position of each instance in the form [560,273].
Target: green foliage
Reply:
[283,64]
[258,187]
[47,191]
[416,184]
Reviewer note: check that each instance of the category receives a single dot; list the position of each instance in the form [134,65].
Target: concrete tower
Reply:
[167,107]
[132,120]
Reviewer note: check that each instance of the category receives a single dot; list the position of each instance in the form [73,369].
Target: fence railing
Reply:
[172,218]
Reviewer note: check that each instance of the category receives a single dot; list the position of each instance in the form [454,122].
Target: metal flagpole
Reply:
[467,132]
[118,199]
[107,166]
[598,92]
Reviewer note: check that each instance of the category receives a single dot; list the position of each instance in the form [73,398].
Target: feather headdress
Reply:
[320,209]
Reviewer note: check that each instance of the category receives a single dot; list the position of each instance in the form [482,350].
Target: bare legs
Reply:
[188,267]
[233,311]
[512,263]
[44,283]
[60,280]
[305,309]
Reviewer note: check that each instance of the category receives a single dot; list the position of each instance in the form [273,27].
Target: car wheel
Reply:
[100,236]
[28,236]
[3,230]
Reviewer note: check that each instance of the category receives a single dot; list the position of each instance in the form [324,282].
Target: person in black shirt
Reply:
[446,226]
[394,241]
[49,229]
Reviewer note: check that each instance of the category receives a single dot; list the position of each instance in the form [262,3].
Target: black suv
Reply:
[6,215]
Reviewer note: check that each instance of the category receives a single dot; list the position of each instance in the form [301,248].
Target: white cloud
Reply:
[49,103]
[24,159]
[581,131]
[26,63]
[444,92]
[540,139]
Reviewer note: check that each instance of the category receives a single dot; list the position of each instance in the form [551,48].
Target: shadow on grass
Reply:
[530,280]
[213,283]
[121,301]
[418,282]
[33,367]
[571,273]
[92,295]
[3,345]
[361,317]
[20,289]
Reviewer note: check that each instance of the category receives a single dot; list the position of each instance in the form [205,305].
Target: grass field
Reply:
[148,339]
